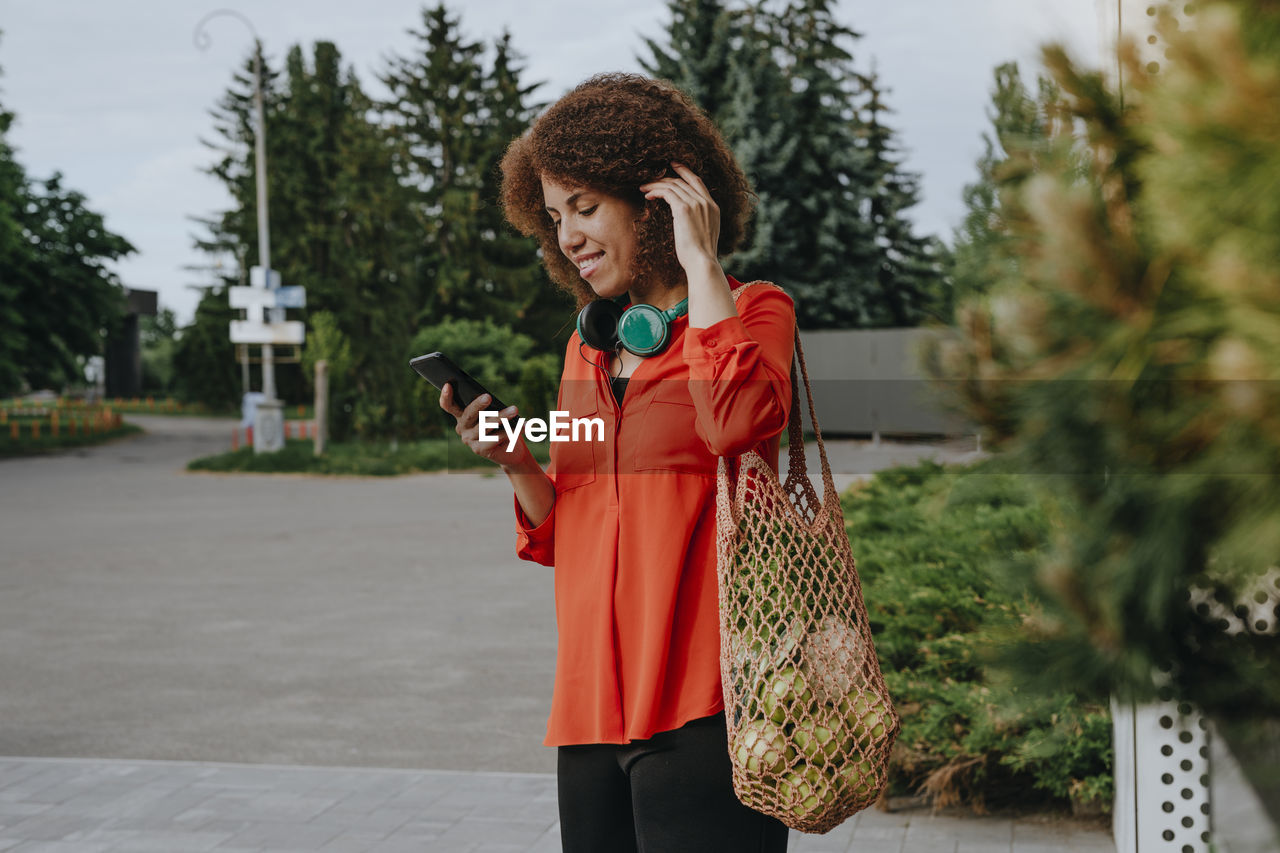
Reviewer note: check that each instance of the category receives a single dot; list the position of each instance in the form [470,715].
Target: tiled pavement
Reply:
[108,806]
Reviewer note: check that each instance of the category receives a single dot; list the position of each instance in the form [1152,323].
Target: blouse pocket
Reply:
[670,438]
[575,461]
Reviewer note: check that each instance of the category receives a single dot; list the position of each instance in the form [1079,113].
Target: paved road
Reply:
[146,612]
[383,624]
[67,806]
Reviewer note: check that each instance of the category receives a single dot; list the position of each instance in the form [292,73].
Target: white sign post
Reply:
[262,296]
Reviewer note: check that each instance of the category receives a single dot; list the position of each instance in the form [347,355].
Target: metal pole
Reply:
[268,432]
[1119,64]
[244,359]
[264,233]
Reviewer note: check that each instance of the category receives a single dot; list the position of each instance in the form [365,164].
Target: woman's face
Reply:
[596,231]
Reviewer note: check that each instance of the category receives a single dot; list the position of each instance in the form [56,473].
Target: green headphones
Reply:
[640,329]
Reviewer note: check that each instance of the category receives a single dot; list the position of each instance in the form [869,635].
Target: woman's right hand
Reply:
[468,429]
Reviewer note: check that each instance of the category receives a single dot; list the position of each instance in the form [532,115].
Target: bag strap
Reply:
[797,465]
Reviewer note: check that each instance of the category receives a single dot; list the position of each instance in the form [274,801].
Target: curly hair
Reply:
[612,133]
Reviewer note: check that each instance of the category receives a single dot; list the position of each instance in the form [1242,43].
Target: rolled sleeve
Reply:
[535,544]
[740,372]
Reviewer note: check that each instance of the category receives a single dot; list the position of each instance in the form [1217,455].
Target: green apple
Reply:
[805,791]
[820,782]
[867,713]
[760,747]
[858,774]
[786,695]
[817,742]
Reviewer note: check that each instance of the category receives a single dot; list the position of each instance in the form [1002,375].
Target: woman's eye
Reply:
[589,210]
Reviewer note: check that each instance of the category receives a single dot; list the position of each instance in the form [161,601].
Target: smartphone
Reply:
[436,368]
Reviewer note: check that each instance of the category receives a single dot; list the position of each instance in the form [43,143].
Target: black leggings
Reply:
[670,793]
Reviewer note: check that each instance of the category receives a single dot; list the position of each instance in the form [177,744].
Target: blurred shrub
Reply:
[1129,356]
[938,552]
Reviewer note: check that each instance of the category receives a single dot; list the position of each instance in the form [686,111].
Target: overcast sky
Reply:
[114,94]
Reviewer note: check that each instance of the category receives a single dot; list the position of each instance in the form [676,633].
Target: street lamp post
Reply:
[268,428]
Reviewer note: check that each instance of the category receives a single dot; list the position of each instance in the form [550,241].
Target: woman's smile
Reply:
[588,263]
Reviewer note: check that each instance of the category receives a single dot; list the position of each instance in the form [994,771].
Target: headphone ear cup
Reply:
[598,324]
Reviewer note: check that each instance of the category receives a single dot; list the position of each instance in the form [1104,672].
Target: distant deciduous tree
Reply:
[58,296]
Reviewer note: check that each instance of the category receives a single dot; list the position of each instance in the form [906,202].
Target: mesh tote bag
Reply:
[810,721]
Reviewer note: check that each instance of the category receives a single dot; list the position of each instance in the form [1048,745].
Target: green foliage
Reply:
[1129,357]
[12,252]
[57,296]
[698,55]
[158,339]
[808,129]
[938,551]
[452,118]
[340,220]
[907,267]
[385,213]
[327,342]
[204,358]
[1018,127]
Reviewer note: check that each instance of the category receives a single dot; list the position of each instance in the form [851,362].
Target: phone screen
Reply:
[439,370]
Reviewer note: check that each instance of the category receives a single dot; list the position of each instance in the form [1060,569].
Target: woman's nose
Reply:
[570,237]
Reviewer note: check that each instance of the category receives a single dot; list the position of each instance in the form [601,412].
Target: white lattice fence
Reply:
[1162,750]
[1162,778]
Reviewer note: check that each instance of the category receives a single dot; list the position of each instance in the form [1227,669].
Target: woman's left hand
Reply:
[695,215]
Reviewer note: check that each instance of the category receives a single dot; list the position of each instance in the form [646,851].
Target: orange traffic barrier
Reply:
[13,430]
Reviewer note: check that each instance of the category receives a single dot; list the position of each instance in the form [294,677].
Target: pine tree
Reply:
[435,107]
[910,269]
[508,259]
[979,258]
[1131,360]
[455,113]
[698,55]
[781,83]
[340,224]
[204,359]
[822,245]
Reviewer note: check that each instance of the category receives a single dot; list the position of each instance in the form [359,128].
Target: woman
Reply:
[633,195]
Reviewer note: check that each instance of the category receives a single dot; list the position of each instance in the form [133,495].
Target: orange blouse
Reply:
[632,534]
